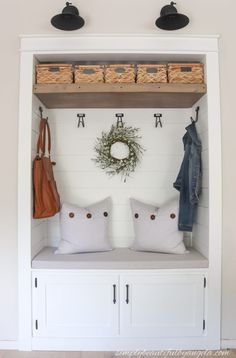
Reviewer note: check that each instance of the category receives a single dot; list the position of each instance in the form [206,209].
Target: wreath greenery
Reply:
[111,165]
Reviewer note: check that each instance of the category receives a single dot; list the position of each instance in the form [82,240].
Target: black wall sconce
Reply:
[69,19]
[170,19]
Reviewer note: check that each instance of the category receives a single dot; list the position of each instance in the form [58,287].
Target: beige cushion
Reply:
[84,229]
[120,258]
[156,229]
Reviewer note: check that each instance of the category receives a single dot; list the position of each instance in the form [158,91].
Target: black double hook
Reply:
[119,120]
[196,117]
[158,121]
[81,117]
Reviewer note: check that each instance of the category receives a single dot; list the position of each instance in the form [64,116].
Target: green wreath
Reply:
[112,165]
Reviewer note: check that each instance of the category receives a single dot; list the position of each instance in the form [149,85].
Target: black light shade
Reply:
[69,19]
[170,19]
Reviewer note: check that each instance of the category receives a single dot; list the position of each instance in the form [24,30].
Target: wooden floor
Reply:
[36,354]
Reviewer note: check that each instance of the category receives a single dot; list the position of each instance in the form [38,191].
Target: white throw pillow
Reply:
[156,229]
[84,229]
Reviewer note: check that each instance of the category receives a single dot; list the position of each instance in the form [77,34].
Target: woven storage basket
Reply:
[54,73]
[89,73]
[186,73]
[119,73]
[156,73]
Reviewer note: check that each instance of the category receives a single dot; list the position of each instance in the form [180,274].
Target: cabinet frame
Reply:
[42,278]
[32,46]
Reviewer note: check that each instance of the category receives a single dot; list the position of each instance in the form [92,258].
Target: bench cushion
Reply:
[120,258]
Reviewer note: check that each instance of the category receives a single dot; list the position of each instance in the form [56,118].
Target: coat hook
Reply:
[41,112]
[196,117]
[119,122]
[158,121]
[81,117]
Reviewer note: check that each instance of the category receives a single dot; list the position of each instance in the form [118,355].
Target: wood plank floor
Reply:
[37,354]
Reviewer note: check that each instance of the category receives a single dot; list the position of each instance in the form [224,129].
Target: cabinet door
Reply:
[162,305]
[75,305]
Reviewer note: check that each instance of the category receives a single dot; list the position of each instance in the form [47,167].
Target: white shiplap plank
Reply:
[200,234]
[205,159]
[135,117]
[37,222]
[205,178]
[204,198]
[170,144]
[39,234]
[204,140]
[100,180]
[158,162]
[202,216]
[84,197]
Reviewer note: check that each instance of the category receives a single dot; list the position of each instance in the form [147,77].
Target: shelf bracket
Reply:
[81,117]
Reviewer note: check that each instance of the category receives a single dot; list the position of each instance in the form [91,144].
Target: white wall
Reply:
[123,16]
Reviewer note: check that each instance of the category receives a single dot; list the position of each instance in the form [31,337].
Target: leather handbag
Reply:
[46,197]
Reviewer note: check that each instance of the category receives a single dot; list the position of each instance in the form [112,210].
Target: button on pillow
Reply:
[84,229]
[156,229]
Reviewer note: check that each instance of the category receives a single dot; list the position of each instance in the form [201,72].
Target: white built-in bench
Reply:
[120,258]
[76,300]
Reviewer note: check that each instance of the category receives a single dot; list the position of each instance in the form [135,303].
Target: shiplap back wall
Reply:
[201,227]
[81,182]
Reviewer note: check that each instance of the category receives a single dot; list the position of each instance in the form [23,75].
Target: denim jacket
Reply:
[188,181]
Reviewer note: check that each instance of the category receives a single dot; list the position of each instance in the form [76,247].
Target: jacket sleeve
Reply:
[178,182]
[195,174]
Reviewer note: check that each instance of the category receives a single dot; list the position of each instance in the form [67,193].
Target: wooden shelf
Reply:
[105,95]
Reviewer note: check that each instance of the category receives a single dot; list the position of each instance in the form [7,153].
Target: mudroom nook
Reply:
[120,299]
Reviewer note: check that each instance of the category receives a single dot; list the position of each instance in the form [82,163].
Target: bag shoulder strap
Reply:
[44,135]
[48,138]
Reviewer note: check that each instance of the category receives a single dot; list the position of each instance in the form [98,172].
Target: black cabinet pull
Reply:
[114,294]
[127,294]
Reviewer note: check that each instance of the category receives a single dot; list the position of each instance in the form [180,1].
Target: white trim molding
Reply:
[228,343]
[8,345]
[32,47]
[119,44]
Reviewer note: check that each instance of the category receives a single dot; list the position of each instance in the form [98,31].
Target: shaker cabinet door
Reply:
[162,305]
[75,305]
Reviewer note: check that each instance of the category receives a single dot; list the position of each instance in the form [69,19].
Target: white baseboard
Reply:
[8,345]
[228,343]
